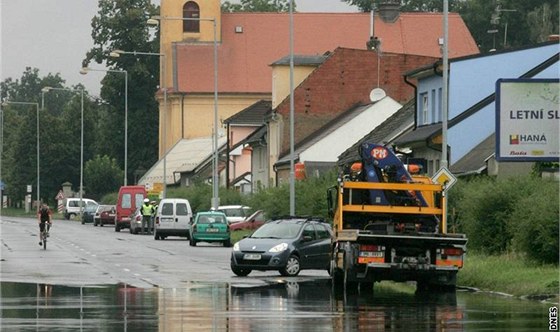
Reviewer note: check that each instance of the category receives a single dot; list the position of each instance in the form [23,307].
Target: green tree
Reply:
[258,6]
[102,175]
[122,24]
[60,134]
[541,23]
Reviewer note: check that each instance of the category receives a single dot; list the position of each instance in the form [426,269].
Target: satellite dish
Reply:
[376,94]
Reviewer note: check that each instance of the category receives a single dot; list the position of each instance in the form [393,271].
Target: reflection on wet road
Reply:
[286,306]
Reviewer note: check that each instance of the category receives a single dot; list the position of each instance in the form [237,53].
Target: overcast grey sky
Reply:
[54,35]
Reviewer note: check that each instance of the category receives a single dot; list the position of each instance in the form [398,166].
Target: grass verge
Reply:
[509,274]
[13,212]
[238,235]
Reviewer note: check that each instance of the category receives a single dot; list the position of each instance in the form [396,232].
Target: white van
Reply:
[72,207]
[173,217]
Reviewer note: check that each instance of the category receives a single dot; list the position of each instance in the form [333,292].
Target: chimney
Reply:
[389,10]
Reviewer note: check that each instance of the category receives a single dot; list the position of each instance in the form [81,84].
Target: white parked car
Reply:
[72,207]
[235,213]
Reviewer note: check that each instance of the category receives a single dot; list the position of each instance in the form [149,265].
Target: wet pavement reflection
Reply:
[282,306]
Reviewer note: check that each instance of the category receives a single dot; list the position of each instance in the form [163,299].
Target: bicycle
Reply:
[45,235]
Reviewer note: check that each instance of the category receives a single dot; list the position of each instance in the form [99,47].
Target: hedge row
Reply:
[519,214]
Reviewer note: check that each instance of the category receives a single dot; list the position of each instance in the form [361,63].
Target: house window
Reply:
[191,10]
[433,115]
[424,108]
[440,105]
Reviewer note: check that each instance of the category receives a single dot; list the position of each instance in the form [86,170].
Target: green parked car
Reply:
[211,226]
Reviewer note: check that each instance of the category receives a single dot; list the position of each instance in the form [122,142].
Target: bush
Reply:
[518,213]
[534,224]
[482,214]
[200,196]
[310,197]
[109,199]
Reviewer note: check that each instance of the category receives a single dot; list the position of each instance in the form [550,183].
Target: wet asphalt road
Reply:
[94,279]
[86,255]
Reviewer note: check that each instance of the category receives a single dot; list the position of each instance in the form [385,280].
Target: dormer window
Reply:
[191,10]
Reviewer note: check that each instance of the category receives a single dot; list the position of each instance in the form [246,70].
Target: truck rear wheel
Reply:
[442,283]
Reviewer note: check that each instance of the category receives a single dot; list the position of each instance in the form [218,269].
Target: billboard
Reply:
[527,120]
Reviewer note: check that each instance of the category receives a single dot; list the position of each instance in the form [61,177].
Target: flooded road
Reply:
[96,279]
[285,306]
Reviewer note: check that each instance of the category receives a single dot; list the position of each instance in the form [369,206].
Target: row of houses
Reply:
[346,91]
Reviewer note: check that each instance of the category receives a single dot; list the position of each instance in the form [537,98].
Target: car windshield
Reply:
[277,231]
[233,212]
[211,219]
[91,208]
[104,208]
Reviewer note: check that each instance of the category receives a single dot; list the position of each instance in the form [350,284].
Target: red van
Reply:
[130,198]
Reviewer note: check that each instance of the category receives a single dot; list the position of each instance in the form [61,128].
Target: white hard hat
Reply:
[146,200]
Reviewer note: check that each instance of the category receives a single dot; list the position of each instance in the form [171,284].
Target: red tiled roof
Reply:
[244,58]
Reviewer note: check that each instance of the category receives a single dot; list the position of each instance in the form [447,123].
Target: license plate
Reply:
[252,257]
[166,219]
[212,230]
[371,253]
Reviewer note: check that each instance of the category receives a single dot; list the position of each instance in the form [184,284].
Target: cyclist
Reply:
[44,216]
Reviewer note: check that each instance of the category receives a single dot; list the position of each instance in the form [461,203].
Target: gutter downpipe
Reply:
[415,100]
[182,115]
[227,156]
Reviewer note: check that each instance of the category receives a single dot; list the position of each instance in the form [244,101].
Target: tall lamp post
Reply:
[292,115]
[38,164]
[215,191]
[84,71]
[1,154]
[118,53]
[81,190]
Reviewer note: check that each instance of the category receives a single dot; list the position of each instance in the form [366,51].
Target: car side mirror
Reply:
[307,238]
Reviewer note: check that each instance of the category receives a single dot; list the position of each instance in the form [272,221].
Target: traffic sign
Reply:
[60,195]
[444,177]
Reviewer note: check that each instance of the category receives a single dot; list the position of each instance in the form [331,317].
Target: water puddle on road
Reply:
[284,306]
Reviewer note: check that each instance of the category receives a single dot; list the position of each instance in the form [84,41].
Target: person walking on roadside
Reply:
[44,217]
[146,210]
[152,220]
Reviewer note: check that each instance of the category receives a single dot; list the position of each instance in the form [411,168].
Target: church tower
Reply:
[204,20]
[198,30]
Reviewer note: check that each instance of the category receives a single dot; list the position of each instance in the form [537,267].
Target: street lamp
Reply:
[116,54]
[155,21]
[38,165]
[84,71]
[47,89]
[1,154]
[292,114]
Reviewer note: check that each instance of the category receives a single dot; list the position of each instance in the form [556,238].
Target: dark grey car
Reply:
[287,245]
[88,213]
